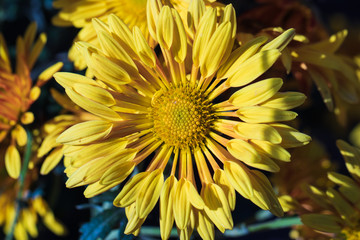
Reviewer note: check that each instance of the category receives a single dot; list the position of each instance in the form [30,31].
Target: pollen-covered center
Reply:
[182,116]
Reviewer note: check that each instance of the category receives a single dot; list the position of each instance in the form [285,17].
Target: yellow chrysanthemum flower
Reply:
[17,93]
[155,114]
[340,215]
[78,13]
[31,208]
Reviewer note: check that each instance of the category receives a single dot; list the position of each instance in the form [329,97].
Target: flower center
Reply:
[182,116]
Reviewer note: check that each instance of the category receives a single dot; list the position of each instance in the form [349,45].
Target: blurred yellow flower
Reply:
[340,215]
[17,93]
[78,13]
[30,209]
[154,114]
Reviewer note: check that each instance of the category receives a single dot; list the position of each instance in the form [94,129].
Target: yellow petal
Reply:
[149,193]
[253,67]
[93,107]
[48,73]
[67,80]
[130,191]
[242,150]
[271,150]
[206,28]
[165,28]
[117,173]
[257,114]
[221,180]
[238,56]
[122,34]
[166,207]
[217,207]
[108,71]
[285,100]
[238,177]
[264,194]
[12,161]
[290,136]
[281,41]
[205,227]
[258,131]
[143,49]
[182,206]
[217,49]
[256,93]
[51,161]
[94,93]
[85,132]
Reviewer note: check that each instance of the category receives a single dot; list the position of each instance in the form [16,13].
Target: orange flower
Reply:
[17,93]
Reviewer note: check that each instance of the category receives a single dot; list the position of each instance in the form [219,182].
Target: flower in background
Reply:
[31,206]
[155,115]
[78,13]
[309,166]
[17,93]
[339,216]
[312,56]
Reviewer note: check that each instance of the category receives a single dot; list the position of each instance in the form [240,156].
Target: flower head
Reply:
[17,93]
[340,213]
[158,113]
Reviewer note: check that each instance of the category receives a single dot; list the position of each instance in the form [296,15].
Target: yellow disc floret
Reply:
[182,116]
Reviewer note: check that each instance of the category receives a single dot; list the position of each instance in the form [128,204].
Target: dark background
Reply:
[15,15]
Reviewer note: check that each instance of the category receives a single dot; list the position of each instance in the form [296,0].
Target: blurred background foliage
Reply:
[70,206]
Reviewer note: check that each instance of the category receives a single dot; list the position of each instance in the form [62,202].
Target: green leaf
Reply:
[102,224]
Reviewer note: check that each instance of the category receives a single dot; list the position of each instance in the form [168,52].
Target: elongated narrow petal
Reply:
[13,161]
[290,136]
[256,93]
[143,49]
[67,80]
[258,131]
[285,100]
[92,106]
[130,191]
[166,207]
[256,114]
[271,150]
[86,132]
[242,150]
[253,67]
[217,49]
[239,56]
[96,94]
[149,193]
[281,41]
[238,177]
[51,161]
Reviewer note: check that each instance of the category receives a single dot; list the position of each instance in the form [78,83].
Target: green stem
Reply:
[21,180]
[270,225]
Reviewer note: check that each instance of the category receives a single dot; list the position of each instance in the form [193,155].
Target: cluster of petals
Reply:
[228,122]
